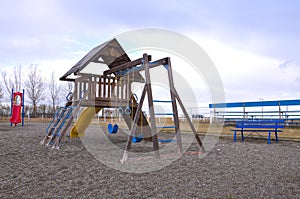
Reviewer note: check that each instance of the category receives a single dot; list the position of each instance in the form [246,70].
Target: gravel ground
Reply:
[252,169]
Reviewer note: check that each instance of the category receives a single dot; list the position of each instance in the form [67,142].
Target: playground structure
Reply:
[113,89]
[17,108]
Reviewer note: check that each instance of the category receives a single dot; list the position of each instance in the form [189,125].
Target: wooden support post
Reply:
[174,107]
[151,107]
[122,89]
[75,94]
[93,84]
[104,87]
[79,90]
[189,120]
[108,87]
[100,87]
[89,88]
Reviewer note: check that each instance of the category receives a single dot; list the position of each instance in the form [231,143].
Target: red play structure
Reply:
[17,108]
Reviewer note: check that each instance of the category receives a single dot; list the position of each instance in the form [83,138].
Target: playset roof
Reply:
[110,53]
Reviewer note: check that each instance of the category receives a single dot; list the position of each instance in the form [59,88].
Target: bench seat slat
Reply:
[256,130]
[260,121]
[260,126]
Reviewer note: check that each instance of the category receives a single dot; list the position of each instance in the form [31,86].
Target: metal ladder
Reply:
[175,119]
[58,127]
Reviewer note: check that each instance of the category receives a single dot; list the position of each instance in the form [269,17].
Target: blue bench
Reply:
[258,126]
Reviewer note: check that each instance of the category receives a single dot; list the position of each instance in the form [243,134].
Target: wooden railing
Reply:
[102,88]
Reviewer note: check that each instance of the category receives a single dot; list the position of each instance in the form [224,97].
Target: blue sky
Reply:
[254,44]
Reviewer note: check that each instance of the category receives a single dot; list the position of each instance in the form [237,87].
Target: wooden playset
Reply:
[113,89]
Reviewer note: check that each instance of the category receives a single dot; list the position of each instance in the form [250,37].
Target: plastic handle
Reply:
[69,96]
[127,110]
[120,109]
[136,97]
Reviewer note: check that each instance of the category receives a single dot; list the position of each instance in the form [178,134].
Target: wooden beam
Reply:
[189,121]
[67,79]
[153,64]
[159,62]
[174,107]
[125,66]
[150,104]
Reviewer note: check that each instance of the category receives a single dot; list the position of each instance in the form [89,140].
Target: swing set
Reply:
[113,89]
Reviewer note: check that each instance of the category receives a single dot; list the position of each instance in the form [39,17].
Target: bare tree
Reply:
[34,86]
[67,87]
[13,81]
[1,92]
[54,90]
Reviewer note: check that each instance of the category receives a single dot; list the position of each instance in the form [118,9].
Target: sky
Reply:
[254,44]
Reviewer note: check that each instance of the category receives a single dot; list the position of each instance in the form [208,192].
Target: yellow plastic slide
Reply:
[83,122]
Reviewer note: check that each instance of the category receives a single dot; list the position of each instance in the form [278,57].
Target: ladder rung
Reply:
[164,114]
[50,143]
[163,101]
[166,127]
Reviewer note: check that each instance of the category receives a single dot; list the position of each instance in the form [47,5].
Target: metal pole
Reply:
[244,112]
[262,108]
[279,109]
[11,103]
[23,108]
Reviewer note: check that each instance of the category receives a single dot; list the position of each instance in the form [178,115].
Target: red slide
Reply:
[16,115]
[17,101]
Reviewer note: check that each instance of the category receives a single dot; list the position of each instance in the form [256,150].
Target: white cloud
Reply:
[248,76]
[59,66]
[18,42]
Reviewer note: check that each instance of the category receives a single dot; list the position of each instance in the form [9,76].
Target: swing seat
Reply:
[112,128]
[137,139]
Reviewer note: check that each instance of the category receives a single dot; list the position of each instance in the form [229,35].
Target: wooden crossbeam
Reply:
[125,66]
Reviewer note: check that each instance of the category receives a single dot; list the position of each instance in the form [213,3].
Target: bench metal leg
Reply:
[234,136]
[269,137]
[276,136]
[243,138]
